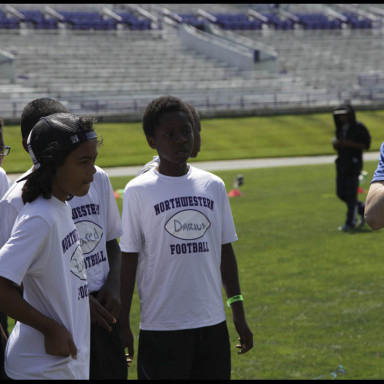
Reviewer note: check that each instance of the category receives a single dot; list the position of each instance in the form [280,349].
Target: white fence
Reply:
[210,105]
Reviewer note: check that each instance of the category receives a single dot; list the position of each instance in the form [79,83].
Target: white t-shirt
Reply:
[44,253]
[151,164]
[96,216]
[10,206]
[97,219]
[178,225]
[5,183]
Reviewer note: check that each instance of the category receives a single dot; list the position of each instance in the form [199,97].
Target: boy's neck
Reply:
[176,171]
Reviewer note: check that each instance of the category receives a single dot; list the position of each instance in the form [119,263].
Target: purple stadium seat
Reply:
[134,22]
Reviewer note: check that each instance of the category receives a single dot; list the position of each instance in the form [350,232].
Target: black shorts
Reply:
[201,353]
[107,354]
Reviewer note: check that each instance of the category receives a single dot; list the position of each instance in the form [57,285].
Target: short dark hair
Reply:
[36,109]
[158,107]
[53,138]
[196,116]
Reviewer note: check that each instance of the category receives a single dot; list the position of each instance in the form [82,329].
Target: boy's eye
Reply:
[87,161]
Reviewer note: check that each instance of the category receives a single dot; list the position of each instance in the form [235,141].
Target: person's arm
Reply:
[128,279]
[109,295]
[347,143]
[3,338]
[230,278]
[374,205]
[57,339]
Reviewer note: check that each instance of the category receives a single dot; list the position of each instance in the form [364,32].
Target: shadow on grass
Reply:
[358,230]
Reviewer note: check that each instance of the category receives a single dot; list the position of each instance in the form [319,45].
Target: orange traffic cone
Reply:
[362,176]
[234,192]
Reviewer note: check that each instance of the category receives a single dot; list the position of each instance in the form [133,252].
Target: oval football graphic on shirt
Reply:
[188,225]
[90,235]
[78,264]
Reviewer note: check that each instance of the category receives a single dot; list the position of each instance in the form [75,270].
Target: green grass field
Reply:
[313,295]
[226,138]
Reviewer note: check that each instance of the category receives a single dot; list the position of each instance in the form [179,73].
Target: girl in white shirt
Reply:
[51,337]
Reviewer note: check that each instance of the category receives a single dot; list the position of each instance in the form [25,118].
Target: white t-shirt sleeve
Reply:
[151,164]
[21,253]
[130,240]
[228,230]
[113,220]
[8,214]
[10,206]
[4,182]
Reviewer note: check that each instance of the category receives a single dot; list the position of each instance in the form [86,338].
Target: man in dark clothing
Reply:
[351,138]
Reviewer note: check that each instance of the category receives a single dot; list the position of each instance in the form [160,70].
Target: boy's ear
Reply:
[151,141]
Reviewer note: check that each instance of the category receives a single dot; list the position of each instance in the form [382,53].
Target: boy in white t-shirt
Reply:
[98,222]
[176,242]
[51,338]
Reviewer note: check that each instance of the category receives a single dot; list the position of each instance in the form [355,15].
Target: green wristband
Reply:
[233,299]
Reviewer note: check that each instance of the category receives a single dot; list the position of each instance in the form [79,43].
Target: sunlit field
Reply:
[313,295]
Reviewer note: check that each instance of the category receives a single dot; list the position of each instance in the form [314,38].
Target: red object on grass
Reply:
[235,192]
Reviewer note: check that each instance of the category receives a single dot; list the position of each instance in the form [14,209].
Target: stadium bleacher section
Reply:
[94,20]
[111,59]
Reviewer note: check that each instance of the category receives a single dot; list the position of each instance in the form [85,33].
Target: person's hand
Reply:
[246,336]
[100,315]
[335,143]
[59,342]
[129,359]
[346,143]
[127,342]
[109,297]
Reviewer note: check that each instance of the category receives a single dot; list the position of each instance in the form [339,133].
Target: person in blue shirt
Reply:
[374,205]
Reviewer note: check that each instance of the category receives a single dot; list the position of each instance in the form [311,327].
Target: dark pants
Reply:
[196,354]
[107,354]
[346,188]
